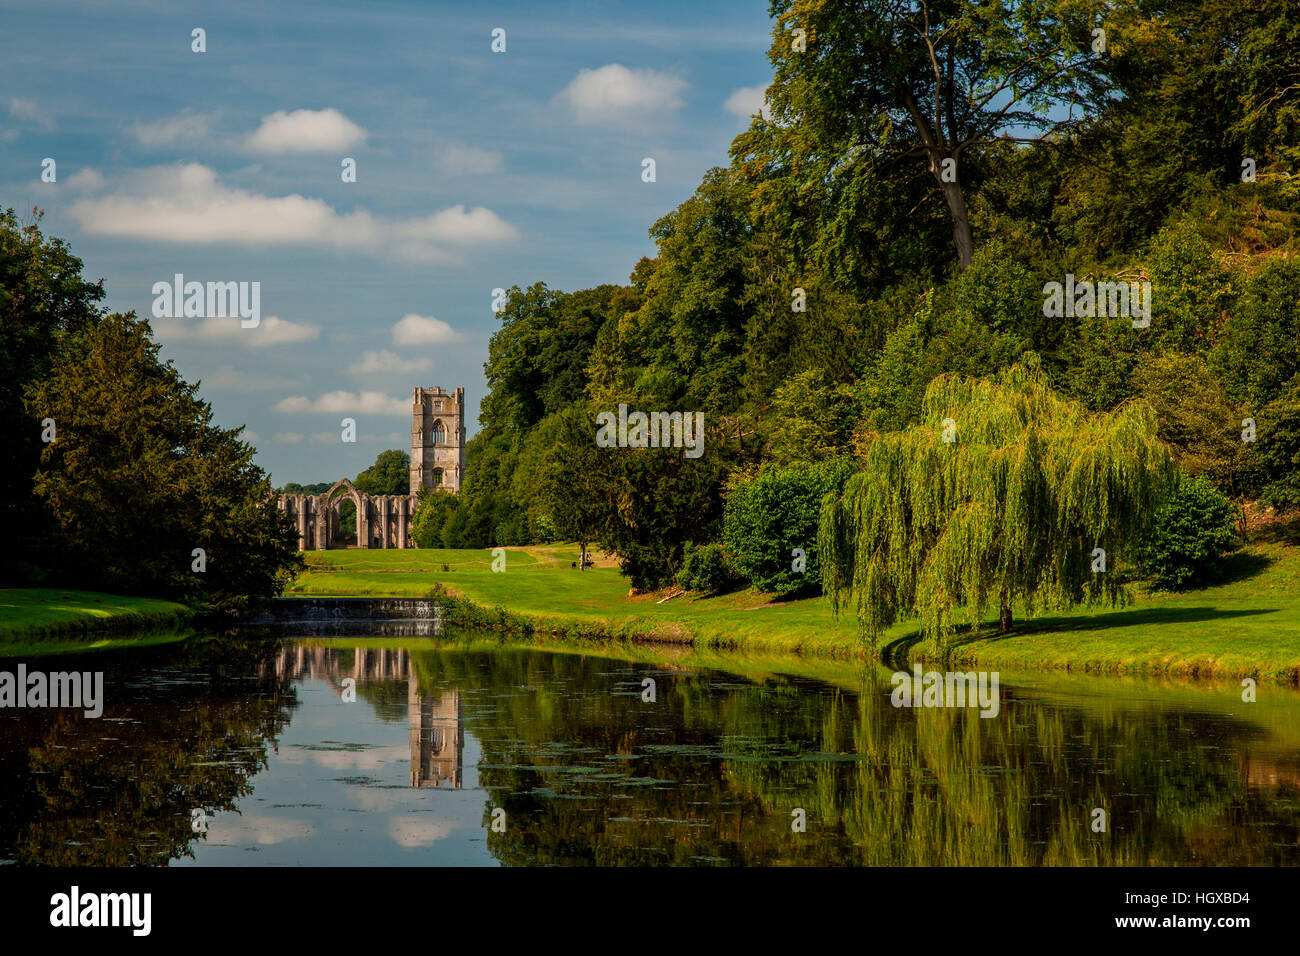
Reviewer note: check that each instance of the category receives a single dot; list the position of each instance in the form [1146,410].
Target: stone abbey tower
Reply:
[437,439]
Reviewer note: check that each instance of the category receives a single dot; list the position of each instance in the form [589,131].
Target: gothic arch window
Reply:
[436,478]
[439,436]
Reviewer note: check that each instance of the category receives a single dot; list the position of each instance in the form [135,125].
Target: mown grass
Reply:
[1247,626]
[37,621]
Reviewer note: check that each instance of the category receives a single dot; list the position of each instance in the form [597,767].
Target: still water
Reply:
[471,750]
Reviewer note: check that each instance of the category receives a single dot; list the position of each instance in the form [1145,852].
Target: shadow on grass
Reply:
[899,648]
[1284,530]
[1241,565]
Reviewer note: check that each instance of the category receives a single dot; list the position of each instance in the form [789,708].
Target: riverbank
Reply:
[38,621]
[1246,627]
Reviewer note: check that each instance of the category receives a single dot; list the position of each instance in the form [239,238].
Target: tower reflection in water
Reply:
[437,738]
[437,730]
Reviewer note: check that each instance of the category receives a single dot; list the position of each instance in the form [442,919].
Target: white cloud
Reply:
[24,109]
[250,436]
[616,94]
[288,438]
[363,402]
[187,129]
[305,131]
[747,101]
[233,830]
[236,380]
[28,112]
[415,329]
[185,203]
[386,362]
[469,160]
[326,438]
[410,832]
[228,331]
[85,180]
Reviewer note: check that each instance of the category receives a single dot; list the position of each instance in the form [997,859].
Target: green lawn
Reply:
[55,620]
[1248,627]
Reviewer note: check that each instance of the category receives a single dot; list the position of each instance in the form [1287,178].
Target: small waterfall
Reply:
[341,610]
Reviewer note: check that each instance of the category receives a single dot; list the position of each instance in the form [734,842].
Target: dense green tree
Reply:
[294,488]
[1190,535]
[1279,448]
[428,527]
[1196,420]
[389,475]
[657,501]
[139,477]
[43,299]
[812,419]
[683,347]
[770,524]
[574,480]
[1258,349]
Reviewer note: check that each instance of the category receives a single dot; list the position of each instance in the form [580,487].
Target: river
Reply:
[269,747]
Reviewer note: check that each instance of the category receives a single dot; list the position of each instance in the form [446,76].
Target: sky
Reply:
[475,170]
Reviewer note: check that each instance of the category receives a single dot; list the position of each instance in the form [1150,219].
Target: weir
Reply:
[329,610]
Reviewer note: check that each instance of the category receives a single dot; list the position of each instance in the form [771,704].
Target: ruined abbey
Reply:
[384,521]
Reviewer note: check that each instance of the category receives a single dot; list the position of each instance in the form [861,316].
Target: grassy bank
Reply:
[1248,626]
[35,621]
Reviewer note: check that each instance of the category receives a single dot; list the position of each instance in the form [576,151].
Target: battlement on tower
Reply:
[437,438]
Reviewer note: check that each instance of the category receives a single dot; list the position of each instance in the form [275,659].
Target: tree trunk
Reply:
[960,221]
[1004,619]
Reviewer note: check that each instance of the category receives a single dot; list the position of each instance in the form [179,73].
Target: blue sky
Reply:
[475,170]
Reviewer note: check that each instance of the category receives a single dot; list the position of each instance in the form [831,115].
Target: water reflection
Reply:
[437,729]
[261,732]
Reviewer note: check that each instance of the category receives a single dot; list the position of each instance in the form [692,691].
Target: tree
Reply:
[432,516]
[1279,448]
[812,419]
[1013,506]
[43,298]
[573,481]
[1191,533]
[769,524]
[139,477]
[878,82]
[1196,420]
[294,488]
[389,475]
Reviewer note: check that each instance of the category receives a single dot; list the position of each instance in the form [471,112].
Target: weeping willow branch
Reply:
[1011,509]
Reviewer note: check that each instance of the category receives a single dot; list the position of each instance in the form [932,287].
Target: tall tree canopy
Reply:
[869,85]
[1003,493]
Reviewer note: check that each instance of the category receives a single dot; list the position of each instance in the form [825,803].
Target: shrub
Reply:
[768,517]
[1192,531]
[705,568]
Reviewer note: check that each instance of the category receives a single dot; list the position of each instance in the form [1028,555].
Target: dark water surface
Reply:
[255,733]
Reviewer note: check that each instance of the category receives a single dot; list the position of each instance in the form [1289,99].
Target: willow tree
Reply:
[1006,492]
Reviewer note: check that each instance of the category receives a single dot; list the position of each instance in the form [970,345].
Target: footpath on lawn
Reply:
[36,621]
[1246,627]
